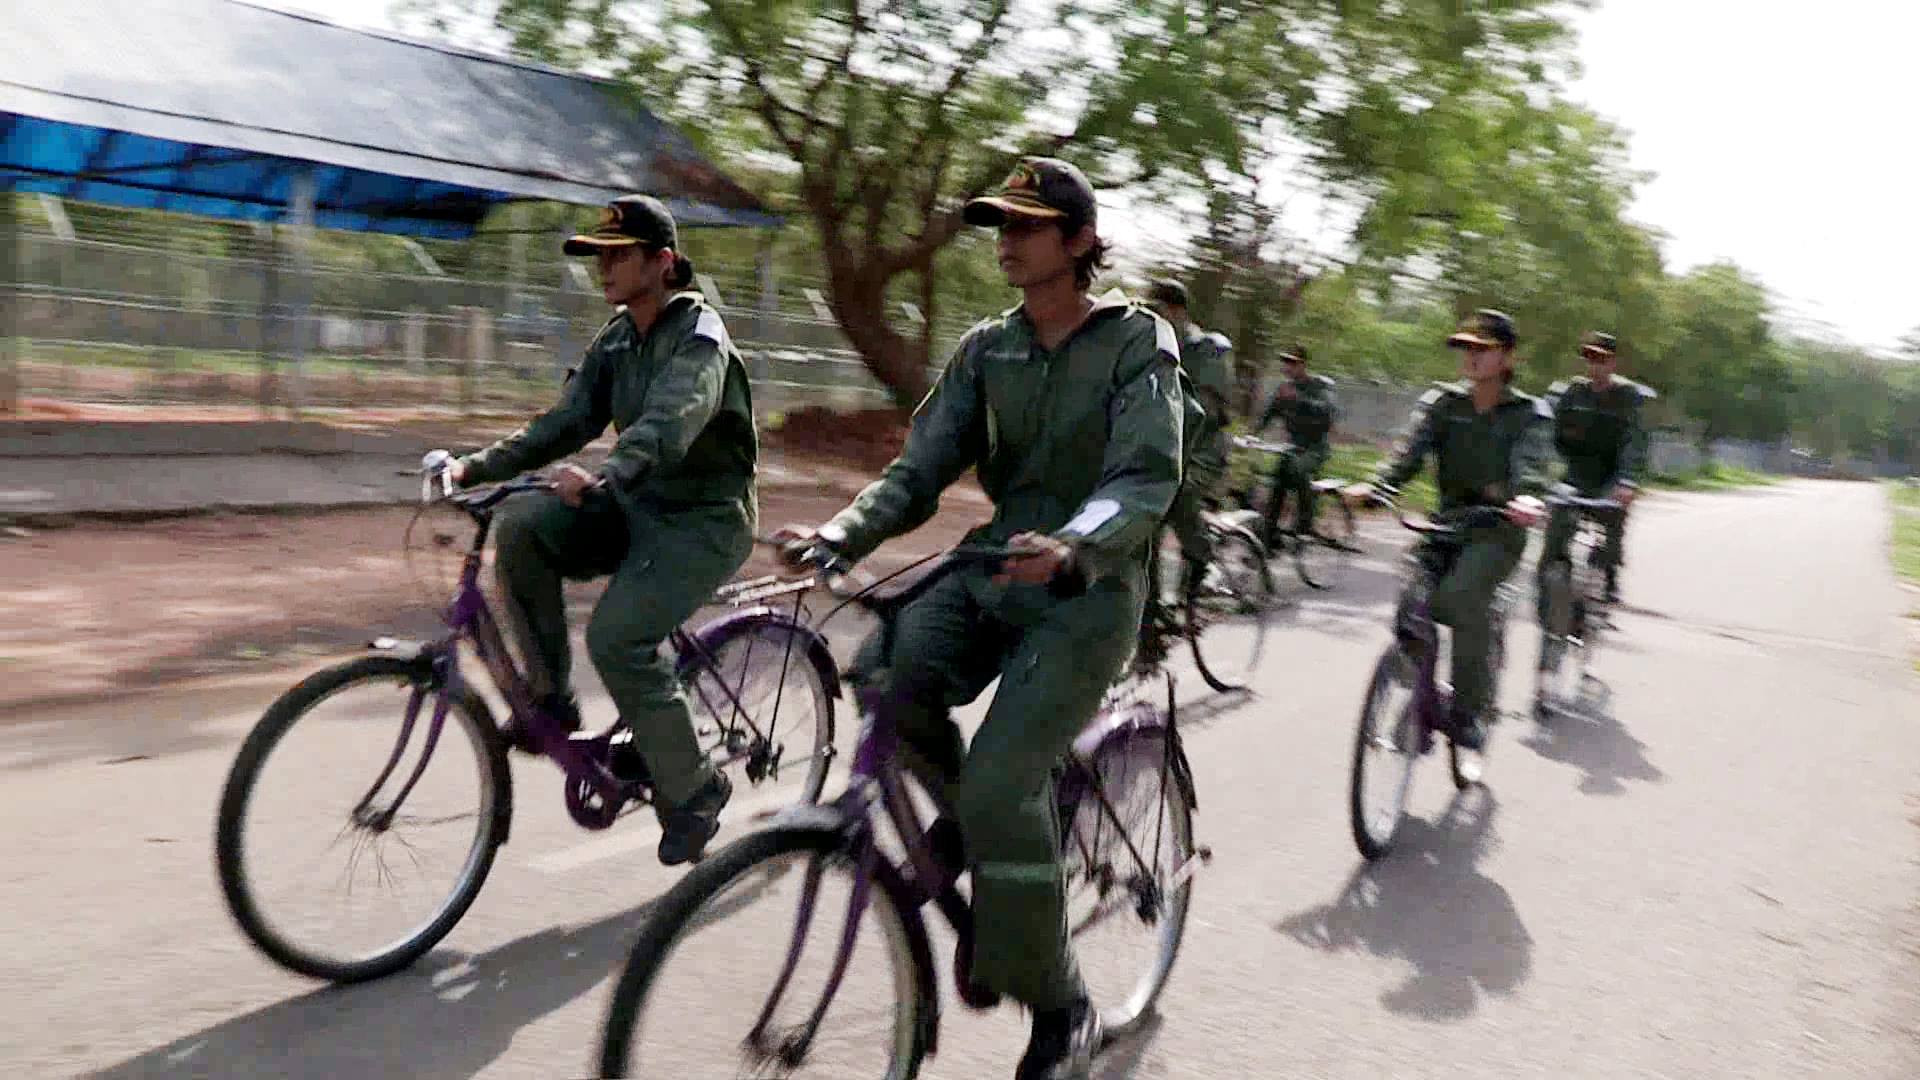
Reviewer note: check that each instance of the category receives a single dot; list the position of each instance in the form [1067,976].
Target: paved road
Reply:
[1716,877]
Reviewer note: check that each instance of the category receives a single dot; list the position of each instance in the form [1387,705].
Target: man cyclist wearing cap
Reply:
[670,515]
[1206,360]
[1305,403]
[1069,408]
[1491,447]
[1598,430]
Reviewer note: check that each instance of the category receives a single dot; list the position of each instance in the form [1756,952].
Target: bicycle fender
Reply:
[717,633]
[1117,727]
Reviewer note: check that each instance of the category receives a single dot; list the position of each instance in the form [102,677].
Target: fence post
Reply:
[414,341]
[9,286]
[479,354]
[300,218]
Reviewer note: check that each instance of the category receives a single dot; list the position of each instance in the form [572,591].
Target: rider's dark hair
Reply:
[681,276]
[1088,266]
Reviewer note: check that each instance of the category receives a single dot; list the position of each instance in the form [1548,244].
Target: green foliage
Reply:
[885,119]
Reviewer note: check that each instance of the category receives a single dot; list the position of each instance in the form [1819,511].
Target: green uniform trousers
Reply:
[664,567]
[1560,529]
[1294,474]
[1463,602]
[1196,493]
[1055,660]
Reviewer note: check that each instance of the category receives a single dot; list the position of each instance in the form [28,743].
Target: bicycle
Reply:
[1320,558]
[1236,590]
[1577,611]
[1402,731]
[870,851]
[465,804]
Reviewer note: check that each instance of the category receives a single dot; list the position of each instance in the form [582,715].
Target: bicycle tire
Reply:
[674,912]
[788,643]
[1149,751]
[1401,732]
[1321,560]
[466,711]
[1251,595]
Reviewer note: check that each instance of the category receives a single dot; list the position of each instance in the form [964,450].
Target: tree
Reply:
[891,114]
[1730,377]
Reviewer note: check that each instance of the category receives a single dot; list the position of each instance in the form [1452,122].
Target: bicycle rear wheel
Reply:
[1129,864]
[1230,612]
[757,700]
[700,1016]
[319,865]
[1385,747]
[1322,559]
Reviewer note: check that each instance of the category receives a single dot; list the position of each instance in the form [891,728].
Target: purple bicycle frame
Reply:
[876,778]
[594,795]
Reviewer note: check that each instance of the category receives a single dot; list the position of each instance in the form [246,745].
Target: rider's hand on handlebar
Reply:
[1526,511]
[457,472]
[792,543]
[1034,559]
[1359,495]
[571,482]
[1623,494]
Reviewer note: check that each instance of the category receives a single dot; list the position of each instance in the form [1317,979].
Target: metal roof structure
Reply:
[220,108]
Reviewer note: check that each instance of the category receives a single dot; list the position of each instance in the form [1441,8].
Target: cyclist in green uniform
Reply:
[670,515]
[1598,430]
[1491,446]
[1069,408]
[1306,404]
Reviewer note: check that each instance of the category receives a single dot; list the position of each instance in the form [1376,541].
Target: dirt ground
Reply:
[108,608]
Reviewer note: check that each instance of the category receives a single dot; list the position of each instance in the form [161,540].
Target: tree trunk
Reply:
[858,299]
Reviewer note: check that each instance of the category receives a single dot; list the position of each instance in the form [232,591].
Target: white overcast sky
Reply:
[1782,136]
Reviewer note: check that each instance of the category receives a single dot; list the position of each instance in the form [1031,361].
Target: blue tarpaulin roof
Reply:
[212,107]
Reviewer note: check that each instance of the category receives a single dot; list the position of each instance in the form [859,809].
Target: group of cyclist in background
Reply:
[1092,422]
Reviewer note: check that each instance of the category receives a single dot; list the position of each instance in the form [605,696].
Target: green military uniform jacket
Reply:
[1083,442]
[1600,434]
[1309,414]
[678,396]
[1208,361]
[1483,459]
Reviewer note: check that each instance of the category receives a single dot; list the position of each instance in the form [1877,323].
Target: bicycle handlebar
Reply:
[1581,502]
[1255,442]
[1474,517]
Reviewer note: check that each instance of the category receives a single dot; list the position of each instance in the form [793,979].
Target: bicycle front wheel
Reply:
[1128,857]
[350,838]
[758,701]
[1322,559]
[1230,612]
[711,1013]
[1384,750]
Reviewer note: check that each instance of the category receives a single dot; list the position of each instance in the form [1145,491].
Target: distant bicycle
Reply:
[1577,612]
[364,810]
[1321,557]
[1225,619]
[1407,704]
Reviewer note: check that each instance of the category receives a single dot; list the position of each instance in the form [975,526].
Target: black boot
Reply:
[1469,730]
[1063,1043]
[686,828]
[1613,585]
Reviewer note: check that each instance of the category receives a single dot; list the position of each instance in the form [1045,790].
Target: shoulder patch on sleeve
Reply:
[1220,341]
[1092,516]
[1164,338]
[709,326]
[1559,387]
[1542,409]
[1647,393]
[1433,396]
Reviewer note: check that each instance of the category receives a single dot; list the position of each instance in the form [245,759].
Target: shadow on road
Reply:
[1427,904]
[1126,1057]
[438,1021]
[1591,738]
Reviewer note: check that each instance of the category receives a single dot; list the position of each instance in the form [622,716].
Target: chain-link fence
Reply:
[100,321]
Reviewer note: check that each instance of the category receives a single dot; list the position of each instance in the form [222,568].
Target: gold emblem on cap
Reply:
[609,219]
[1023,178]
